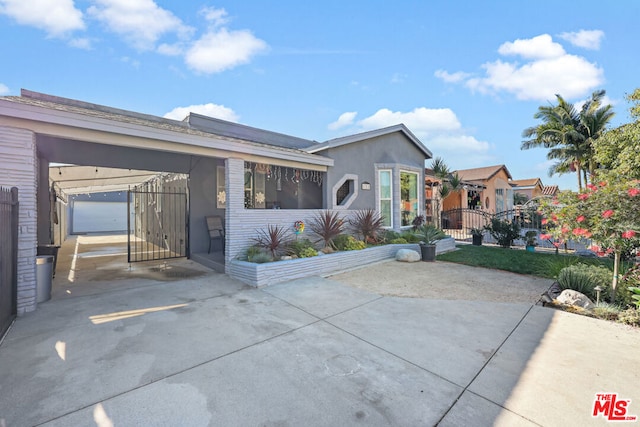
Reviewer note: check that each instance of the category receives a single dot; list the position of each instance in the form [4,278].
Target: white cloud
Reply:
[550,71]
[420,120]
[141,22]
[221,49]
[56,17]
[344,120]
[451,77]
[438,128]
[588,39]
[538,47]
[4,89]
[174,49]
[80,43]
[398,78]
[210,110]
[216,17]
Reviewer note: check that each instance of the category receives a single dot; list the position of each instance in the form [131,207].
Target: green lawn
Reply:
[543,264]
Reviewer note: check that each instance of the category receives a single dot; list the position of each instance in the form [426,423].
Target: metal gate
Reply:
[458,222]
[8,257]
[158,224]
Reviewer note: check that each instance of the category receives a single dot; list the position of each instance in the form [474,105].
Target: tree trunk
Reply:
[578,170]
[614,282]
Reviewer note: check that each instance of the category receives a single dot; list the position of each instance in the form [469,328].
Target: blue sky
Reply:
[465,77]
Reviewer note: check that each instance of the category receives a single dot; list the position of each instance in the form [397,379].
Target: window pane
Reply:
[409,196]
[385,184]
[385,211]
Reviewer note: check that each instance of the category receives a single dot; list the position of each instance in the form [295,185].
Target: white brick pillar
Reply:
[234,178]
[18,168]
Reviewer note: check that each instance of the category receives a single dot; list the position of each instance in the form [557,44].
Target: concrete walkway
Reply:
[207,350]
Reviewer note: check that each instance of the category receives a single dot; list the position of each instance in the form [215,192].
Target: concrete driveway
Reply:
[209,351]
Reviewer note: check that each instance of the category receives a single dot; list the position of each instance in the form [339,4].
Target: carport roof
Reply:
[64,111]
[73,179]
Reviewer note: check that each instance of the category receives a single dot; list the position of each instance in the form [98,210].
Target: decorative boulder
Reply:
[407,255]
[587,253]
[571,297]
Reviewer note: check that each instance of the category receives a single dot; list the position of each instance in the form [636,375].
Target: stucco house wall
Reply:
[360,161]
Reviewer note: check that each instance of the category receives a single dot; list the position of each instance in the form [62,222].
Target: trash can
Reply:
[50,250]
[44,277]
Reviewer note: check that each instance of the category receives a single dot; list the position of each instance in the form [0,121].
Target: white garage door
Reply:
[99,216]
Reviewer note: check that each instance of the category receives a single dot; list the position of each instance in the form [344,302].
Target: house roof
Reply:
[529,182]
[350,139]
[247,133]
[482,174]
[45,108]
[550,190]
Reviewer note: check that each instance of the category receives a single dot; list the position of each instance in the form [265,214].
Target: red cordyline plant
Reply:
[608,213]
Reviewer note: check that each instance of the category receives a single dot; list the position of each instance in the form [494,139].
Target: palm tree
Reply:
[569,135]
[451,183]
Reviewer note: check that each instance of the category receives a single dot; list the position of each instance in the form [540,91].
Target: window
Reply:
[384,197]
[221,192]
[408,197]
[500,200]
[343,191]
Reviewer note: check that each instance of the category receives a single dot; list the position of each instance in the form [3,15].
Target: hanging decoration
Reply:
[222,197]
[260,197]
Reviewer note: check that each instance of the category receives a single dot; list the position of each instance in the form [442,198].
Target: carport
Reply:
[39,133]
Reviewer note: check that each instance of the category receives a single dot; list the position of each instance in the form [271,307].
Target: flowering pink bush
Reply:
[607,213]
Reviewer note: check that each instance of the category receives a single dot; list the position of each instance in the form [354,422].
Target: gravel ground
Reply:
[445,280]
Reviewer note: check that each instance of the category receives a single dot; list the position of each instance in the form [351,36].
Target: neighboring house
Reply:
[250,177]
[550,190]
[487,188]
[530,188]
[483,191]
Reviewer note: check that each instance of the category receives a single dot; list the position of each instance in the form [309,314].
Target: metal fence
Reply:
[459,222]
[8,257]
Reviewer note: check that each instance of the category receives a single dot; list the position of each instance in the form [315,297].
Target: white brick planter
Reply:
[323,265]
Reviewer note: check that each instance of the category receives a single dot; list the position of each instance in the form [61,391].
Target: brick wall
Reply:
[19,169]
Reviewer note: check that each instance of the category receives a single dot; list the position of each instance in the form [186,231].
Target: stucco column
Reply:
[234,177]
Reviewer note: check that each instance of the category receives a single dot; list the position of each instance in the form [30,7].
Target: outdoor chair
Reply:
[216,231]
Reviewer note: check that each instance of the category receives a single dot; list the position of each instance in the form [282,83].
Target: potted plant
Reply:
[429,234]
[477,234]
[530,240]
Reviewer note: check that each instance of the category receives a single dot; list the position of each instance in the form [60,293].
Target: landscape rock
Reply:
[587,253]
[407,255]
[571,297]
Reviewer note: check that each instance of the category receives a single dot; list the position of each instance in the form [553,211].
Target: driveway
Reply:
[207,350]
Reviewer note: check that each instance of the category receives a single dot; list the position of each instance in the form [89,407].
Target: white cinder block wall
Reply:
[19,169]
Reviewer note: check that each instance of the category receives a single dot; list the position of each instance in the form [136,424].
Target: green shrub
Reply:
[344,242]
[388,235]
[630,316]
[606,311]
[504,231]
[584,278]
[307,253]
[257,254]
[398,241]
[410,237]
[301,248]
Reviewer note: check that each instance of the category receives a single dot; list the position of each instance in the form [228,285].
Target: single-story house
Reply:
[530,187]
[250,177]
